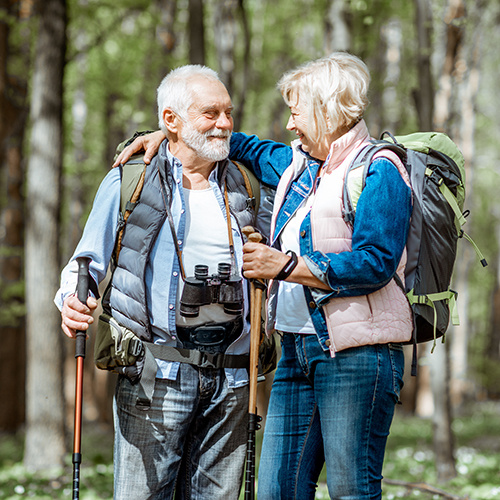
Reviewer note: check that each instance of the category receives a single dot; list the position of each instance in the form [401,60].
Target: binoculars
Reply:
[202,289]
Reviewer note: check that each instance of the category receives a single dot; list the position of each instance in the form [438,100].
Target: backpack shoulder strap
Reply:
[355,178]
[132,175]
[252,185]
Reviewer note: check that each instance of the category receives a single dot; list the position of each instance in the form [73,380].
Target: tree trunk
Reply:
[241,98]
[165,33]
[454,39]
[467,75]
[440,363]
[442,416]
[225,40]
[165,30]
[424,95]
[337,29]
[196,32]
[13,114]
[492,353]
[45,430]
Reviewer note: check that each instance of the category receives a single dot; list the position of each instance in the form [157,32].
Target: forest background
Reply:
[79,76]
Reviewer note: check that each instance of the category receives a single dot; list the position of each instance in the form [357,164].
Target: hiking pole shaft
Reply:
[81,336]
[255,323]
[256,296]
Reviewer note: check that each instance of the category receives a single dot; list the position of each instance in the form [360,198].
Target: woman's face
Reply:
[299,123]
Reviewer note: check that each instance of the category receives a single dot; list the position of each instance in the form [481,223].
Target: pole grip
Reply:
[82,287]
[82,292]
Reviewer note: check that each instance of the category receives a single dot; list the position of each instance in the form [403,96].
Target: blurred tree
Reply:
[240,96]
[196,32]
[466,83]
[337,27]
[45,445]
[424,94]
[225,40]
[440,360]
[13,114]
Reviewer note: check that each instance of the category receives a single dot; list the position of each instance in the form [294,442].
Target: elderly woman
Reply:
[333,297]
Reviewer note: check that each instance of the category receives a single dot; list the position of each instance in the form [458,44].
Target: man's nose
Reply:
[224,122]
[291,124]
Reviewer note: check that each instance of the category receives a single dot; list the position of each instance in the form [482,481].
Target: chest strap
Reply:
[176,354]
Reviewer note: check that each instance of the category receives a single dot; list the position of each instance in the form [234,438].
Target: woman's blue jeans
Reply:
[336,411]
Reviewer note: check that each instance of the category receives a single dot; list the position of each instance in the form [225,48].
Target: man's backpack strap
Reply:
[176,354]
[132,174]
[251,184]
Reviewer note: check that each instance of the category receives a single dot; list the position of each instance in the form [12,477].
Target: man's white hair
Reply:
[175,92]
[334,89]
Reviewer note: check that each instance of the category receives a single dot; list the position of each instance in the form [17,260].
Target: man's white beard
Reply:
[203,145]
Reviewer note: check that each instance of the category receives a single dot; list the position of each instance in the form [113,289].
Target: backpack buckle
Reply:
[436,179]
[135,347]
[251,203]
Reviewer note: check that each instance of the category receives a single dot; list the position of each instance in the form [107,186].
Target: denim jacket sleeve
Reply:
[379,236]
[267,159]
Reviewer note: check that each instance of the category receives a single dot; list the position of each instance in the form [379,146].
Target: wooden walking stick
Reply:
[256,289]
[81,337]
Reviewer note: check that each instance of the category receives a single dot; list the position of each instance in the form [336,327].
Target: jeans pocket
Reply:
[396,355]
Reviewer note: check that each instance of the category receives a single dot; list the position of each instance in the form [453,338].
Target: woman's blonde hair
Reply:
[333,88]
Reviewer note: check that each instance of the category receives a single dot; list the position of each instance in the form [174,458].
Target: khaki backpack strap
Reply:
[251,184]
[128,204]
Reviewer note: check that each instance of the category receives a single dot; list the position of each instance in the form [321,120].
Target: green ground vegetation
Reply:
[409,459]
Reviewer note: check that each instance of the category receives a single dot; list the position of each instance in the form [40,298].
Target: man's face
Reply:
[208,128]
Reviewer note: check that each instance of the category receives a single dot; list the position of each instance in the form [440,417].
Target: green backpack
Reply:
[436,169]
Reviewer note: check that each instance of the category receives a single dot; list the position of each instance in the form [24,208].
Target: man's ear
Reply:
[171,121]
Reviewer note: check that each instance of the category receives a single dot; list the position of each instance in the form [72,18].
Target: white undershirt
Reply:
[292,313]
[206,242]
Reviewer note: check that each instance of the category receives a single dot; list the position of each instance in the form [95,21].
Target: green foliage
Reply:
[12,300]
[409,458]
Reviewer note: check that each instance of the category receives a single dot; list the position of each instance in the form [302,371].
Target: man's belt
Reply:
[176,354]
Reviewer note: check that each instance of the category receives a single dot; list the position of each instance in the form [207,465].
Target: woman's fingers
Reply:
[150,143]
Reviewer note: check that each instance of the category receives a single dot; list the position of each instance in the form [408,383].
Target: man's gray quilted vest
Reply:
[128,291]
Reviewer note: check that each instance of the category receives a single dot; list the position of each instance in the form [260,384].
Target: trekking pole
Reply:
[256,289]
[81,337]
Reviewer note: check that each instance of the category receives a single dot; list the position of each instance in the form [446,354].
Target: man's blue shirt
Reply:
[162,270]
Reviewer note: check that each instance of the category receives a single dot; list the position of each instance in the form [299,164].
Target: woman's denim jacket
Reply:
[382,239]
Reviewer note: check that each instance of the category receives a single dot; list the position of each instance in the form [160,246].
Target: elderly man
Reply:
[190,438]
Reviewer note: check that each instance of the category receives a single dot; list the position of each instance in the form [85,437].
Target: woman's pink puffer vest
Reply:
[380,317]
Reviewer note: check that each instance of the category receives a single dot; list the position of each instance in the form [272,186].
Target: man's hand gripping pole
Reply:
[81,337]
